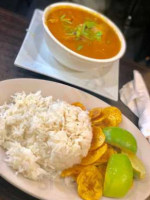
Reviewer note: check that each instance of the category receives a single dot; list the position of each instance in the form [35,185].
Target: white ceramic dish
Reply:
[72,59]
[35,56]
[48,190]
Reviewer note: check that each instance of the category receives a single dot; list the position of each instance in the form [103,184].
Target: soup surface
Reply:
[83,32]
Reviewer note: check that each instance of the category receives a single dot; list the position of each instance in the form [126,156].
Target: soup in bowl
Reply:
[81,38]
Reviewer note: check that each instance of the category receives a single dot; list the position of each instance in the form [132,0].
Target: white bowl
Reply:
[72,59]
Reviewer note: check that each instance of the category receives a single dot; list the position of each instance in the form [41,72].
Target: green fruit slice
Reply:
[138,167]
[118,176]
[120,138]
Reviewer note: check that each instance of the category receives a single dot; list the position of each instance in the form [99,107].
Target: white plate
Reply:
[49,190]
[35,56]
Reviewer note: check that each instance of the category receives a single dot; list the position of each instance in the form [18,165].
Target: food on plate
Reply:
[98,138]
[118,176]
[116,166]
[95,113]
[94,155]
[138,167]
[42,136]
[73,171]
[84,32]
[78,104]
[46,138]
[105,157]
[90,183]
[120,138]
[110,116]
[102,169]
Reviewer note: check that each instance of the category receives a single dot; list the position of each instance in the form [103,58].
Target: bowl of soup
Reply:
[81,38]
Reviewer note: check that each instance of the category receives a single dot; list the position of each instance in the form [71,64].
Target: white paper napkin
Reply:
[135,95]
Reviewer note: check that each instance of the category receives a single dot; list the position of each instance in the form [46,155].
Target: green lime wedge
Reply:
[138,167]
[118,176]
[120,138]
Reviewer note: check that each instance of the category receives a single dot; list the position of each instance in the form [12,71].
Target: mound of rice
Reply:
[41,136]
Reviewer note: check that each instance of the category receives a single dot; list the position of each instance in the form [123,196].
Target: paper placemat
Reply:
[35,56]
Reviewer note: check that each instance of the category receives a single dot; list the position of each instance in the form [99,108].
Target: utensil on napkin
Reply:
[134,94]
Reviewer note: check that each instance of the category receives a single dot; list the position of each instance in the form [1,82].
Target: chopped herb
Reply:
[83,28]
[87,30]
[63,19]
[69,30]
[98,35]
[79,47]
[53,20]
[67,21]
[71,33]
[90,24]
[78,31]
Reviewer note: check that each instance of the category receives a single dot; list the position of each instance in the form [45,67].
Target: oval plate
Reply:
[51,191]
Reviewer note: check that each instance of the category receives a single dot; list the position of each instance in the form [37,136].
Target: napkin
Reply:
[134,94]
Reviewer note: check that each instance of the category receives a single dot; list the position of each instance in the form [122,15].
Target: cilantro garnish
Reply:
[98,35]
[64,19]
[79,47]
[90,24]
[88,31]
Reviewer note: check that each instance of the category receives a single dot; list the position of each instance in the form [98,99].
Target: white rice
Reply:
[41,136]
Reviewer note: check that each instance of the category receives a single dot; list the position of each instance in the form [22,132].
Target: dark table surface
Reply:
[12,32]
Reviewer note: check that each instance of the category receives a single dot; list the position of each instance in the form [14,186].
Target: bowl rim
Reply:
[106,19]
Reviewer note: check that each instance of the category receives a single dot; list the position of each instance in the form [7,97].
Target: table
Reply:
[12,32]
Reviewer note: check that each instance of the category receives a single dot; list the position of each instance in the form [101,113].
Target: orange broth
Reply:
[83,32]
